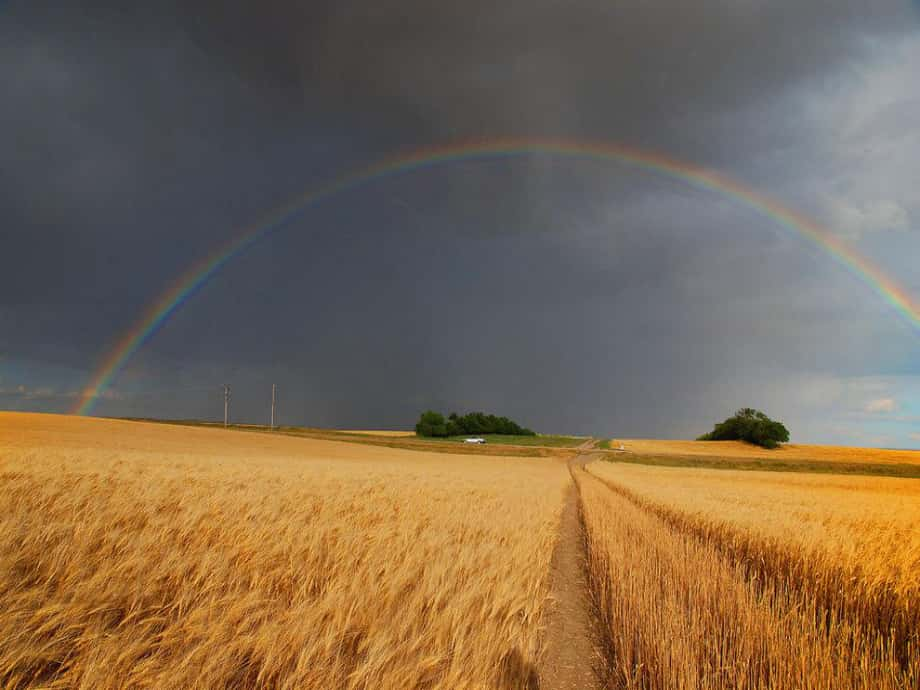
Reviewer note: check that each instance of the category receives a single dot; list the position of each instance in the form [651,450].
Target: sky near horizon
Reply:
[572,294]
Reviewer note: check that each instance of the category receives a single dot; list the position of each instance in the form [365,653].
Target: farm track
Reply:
[573,639]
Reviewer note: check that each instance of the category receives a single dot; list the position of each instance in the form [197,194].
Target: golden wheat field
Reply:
[381,432]
[725,579]
[869,524]
[141,555]
[138,555]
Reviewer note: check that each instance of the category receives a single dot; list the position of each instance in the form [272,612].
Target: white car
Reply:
[474,440]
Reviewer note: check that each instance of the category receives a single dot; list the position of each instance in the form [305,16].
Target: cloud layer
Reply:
[579,296]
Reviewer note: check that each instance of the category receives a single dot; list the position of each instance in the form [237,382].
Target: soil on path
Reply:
[573,655]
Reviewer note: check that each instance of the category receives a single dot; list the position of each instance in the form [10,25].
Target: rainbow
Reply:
[156,314]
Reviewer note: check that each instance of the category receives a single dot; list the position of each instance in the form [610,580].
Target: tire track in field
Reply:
[573,660]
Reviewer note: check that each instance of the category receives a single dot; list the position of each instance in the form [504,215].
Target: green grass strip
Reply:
[901,470]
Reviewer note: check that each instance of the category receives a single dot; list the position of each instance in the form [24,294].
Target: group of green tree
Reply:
[749,425]
[432,425]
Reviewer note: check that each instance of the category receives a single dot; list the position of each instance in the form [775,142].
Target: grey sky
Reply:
[575,295]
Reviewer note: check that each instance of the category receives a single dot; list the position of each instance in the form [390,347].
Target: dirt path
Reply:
[572,653]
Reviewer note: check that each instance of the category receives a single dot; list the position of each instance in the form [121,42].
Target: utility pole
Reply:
[272,427]
[226,404]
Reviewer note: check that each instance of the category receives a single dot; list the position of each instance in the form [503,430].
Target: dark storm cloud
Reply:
[127,153]
[631,71]
[579,296]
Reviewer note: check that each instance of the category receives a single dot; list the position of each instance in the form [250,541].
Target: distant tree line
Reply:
[432,424]
[749,425]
